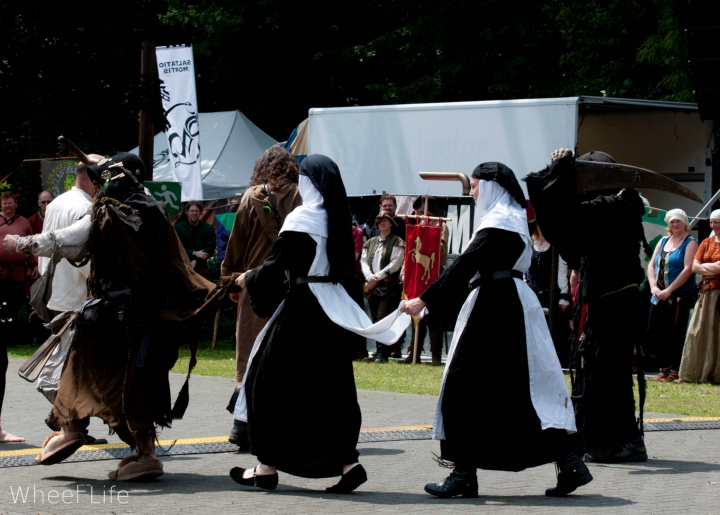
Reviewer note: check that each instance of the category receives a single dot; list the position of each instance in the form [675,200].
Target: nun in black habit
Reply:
[502,363]
[301,408]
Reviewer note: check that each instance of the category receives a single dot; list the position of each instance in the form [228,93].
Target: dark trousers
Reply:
[12,297]
[380,307]
[428,325]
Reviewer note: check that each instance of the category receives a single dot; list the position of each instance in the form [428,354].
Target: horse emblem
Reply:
[427,262]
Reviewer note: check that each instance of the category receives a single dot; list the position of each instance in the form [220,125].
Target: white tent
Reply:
[230,144]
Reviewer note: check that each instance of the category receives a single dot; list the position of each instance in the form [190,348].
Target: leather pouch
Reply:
[119,302]
[89,311]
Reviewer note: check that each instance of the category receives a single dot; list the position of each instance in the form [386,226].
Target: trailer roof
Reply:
[638,104]
[610,102]
[446,105]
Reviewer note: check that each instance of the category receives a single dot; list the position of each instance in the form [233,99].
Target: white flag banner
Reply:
[179,98]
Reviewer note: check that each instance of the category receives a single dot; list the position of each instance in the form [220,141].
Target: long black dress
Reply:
[303,415]
[489,418]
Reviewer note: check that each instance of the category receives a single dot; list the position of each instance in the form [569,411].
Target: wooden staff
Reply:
[76,151]
[416,325]
[217,324]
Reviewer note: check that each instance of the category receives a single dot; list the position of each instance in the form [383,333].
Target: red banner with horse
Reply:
[422,257]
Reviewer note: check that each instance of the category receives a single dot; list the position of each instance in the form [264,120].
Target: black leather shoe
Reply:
[572,475]
[267,482]
[239,435]
[454,485]
[632,451]
[380,358]
[355,477]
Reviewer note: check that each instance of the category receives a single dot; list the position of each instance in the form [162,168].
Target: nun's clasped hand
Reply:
[413,307]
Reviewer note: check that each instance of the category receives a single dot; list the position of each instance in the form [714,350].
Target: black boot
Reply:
[461,481]
[573,473]
[629,452]
[632,451]
[239,435]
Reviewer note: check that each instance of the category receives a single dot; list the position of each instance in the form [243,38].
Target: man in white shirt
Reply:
[67,221]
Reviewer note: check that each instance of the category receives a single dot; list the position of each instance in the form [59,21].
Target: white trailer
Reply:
[382,148]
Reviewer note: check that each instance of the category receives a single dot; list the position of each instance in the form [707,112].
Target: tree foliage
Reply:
[64,69]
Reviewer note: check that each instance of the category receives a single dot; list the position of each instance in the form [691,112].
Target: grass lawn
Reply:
[700,400]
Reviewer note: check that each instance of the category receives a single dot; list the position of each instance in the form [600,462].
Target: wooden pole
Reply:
[147,128]
[217,324]
[68,158]
[416,321]
[416,325]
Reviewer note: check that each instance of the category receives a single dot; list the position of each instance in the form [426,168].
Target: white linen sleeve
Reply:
[396,261]
[72,241]
[563,283]
[363,264]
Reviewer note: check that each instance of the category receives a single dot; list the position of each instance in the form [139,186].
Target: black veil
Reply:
[325,176]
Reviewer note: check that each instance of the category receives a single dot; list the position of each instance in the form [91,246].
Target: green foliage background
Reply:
[66,70]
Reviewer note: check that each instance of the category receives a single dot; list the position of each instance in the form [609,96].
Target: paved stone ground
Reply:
[682,474]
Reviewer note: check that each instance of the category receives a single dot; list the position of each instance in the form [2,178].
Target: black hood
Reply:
[325,176]
[504,176]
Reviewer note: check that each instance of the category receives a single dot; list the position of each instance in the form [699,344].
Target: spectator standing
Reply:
[381,260]
[12,266]
[38,219]
[672,284]
[388,203]
[701,355]
[197,237]
[12,288]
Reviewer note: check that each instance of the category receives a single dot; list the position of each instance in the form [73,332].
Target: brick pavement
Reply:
[682,474]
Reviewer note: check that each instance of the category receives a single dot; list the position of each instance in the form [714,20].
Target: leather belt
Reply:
[500,274]
[312,279]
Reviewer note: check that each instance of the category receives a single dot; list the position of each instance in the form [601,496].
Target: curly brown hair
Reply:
[8,194]
[276,167]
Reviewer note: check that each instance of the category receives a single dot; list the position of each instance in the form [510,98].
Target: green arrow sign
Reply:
[167,192]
